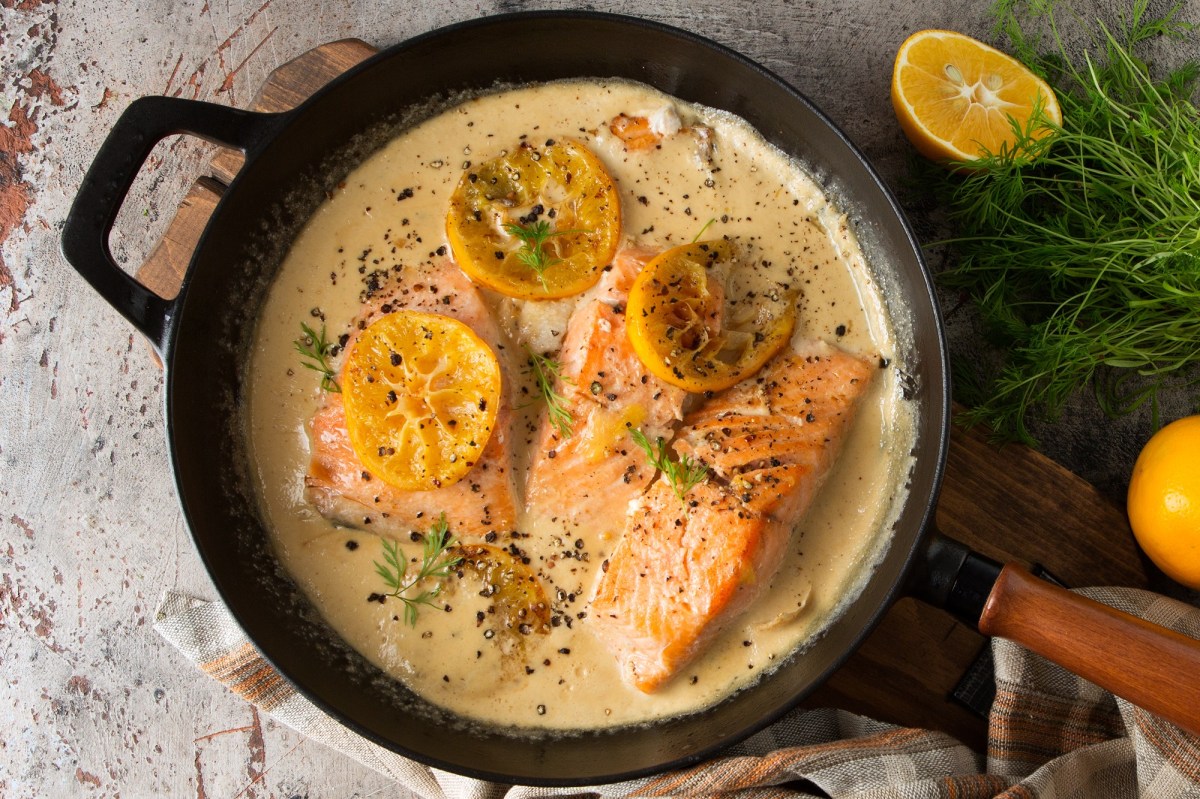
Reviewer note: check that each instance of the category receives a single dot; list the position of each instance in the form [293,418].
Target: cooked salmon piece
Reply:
[635,132]
[343,489]
[647,132]
[588,475]
[683,570]
[772,438]
[679,567]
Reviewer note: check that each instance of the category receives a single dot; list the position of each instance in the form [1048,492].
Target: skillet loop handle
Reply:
[85,236]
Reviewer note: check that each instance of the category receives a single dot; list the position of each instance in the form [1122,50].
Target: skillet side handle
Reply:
[85,235]
[1151,666]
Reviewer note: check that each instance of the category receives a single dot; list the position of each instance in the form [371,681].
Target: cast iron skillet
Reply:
[201,335]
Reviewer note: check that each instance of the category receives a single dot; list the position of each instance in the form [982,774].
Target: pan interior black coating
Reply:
[232,268]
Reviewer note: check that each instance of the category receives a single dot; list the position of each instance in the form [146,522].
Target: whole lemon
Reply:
[1164,500]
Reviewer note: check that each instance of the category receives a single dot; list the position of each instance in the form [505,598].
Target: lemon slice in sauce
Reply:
[680,325]
[536,223]
[421,393]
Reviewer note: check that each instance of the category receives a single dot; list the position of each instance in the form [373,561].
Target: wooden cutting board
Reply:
[1010,503]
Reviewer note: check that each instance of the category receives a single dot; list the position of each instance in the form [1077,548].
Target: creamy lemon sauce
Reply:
[391,211]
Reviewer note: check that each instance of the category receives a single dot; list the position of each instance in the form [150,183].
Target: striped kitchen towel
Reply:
[1051,734]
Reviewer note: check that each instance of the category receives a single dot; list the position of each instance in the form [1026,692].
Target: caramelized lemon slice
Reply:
[538,223]
[421,394]
[681,327]
[521,604]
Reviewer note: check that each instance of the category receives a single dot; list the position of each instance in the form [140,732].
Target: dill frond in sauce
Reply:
[315,351]
[436,565]
[683,474]
[546,371]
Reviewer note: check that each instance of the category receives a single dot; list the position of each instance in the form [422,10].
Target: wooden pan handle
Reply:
[1154,668]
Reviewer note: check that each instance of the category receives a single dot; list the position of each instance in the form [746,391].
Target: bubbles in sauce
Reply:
[389,214]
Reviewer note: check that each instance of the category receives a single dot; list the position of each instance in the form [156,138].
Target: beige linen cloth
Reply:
[1051,734]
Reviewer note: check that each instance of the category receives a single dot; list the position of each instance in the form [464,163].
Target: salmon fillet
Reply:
[341,487]
[589,475]
[682,570]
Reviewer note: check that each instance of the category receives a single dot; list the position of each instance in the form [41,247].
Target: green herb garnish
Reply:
[315,351]
[533,238]
[683,474]
[701,233]
[546,371]
[1082,248]
[436,564]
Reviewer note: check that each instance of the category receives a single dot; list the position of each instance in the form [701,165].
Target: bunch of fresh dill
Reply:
[1082,248]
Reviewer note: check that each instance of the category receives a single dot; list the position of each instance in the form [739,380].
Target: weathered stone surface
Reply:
[96,704]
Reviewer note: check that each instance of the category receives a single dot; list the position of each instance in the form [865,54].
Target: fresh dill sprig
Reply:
[533,253]
[436,564]
[683,474]
[701,233]
[1081,247]
[315,351]
[545,371]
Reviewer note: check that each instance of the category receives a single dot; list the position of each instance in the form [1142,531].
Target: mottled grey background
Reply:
[96,704]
